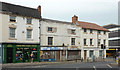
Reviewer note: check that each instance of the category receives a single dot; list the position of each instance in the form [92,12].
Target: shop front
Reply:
[18,53]
[50,53]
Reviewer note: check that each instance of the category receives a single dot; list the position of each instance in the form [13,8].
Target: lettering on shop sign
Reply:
[9,45]
[26,45]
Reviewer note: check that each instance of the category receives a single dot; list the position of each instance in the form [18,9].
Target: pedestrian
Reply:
[32,58]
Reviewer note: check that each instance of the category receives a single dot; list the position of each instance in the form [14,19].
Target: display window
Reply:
[19,54]
[47,55]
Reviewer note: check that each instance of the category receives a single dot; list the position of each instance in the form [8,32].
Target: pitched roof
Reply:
[91,26]
[19,10]
[109,26]
[51,20]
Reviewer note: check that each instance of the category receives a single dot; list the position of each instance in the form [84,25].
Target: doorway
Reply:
[10,55]
[85,54]
[26,55]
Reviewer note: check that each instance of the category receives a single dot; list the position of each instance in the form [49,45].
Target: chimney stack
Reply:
[39,9]
[74,19]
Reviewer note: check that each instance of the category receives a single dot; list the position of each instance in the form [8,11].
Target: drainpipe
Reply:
[40,35]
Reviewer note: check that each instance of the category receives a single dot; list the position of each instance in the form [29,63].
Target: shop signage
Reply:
[26,45]
[51,48]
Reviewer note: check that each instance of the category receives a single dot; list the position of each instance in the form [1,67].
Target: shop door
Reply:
[26,55]
[9,55]
[85,54]
[58,55]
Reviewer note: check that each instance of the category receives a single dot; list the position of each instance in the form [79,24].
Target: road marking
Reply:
[94,67]
[109,65]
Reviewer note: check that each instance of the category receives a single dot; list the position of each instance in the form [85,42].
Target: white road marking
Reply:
[94,68]
[109,65]
[34,66]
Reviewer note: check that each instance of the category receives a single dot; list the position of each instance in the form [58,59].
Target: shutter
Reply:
[69,31]
[54,29]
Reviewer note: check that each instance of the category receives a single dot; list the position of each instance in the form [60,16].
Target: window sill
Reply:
[73,33]
[12,22]
[29,39]
[91,45]
[12,39]
[85,32]
[50,31]
[85,45]
[29,24]
[91,33]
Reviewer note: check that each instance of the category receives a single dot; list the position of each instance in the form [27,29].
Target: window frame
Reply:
[50,29]
[91,41]
[85,30]
[12,34]
[12,18]
[30,21]
[72,41]
[72,31]
[50,42]
[91,31]
[85,41]
[99,32]
[99,41]
[29,35]
[104,32]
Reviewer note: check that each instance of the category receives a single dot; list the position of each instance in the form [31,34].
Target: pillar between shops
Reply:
[66,54]
[82,54]
[88,54]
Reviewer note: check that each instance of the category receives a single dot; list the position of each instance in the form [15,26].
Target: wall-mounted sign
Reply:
[51,48]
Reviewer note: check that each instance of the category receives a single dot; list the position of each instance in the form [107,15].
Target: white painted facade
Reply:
[20,32]
[62,36]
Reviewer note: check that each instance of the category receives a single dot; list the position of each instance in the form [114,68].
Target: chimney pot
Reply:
[39,9]
[74,19]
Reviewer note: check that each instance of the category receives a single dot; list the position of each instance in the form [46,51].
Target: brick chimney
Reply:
[39,9]
[74,19]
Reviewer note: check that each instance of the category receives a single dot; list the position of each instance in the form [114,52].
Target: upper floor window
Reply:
[73,31]
[85,42]
[12,32]
[50,40]
[85,30]
[29,33]
[90,41]
[91,31]
[72,41]
[104,42]
[29,21]
[99,32]
[104,32]
[99,41]
[50,29]
[12,18]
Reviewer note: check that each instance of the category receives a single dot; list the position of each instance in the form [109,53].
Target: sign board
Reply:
[51,48]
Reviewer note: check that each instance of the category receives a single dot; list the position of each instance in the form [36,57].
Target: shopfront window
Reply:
[19,54]
[34,50]
[91,53]
[100,53]
[47,55]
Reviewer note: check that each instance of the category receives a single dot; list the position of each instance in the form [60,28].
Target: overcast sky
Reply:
[101,12]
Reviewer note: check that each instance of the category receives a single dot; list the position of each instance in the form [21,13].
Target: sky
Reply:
[101,12]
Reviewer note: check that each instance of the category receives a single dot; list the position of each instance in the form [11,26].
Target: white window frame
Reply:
[12,34]
[30,33]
